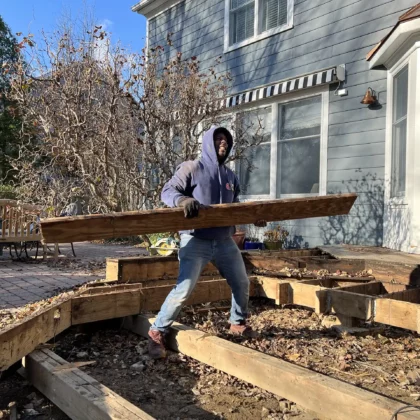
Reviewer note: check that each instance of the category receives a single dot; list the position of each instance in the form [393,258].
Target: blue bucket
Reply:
[253,245]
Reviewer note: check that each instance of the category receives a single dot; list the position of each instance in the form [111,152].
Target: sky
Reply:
[31,16]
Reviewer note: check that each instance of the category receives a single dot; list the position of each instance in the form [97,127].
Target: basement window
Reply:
[247,21]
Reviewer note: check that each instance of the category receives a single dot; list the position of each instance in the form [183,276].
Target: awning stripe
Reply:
[285,86]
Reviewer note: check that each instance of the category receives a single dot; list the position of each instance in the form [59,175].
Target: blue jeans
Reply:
[194,254]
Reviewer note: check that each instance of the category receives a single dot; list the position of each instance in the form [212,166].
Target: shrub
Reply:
[8,192]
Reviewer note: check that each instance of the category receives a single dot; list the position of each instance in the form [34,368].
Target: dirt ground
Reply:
[30,404]
[385,359]
[176,388]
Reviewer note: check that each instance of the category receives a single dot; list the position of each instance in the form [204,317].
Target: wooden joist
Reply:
[19,340]
[309,293]
[79,395]
[152,298]
[400,309]
[358,301]
[96,304]
[331,398]
[85,228]
[386,303]
[105,305]
[136,269]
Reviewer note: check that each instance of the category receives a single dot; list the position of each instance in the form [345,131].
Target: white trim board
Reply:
[153,8]
[388,53]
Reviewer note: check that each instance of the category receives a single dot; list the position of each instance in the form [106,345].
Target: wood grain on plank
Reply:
[399,309]
[152,298]
[105,305]
[19,340]
[331,398]
[84,228]
[79,395]
[135,269]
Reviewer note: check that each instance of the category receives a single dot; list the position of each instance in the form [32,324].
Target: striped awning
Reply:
[306,81]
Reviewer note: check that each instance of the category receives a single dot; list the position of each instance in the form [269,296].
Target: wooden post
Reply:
[282,294]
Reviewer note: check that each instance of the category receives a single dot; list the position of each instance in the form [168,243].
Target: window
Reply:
[399,133]
[298,150]
[291,159]
[273,14]
[242,20]
[247,21]
[254,169]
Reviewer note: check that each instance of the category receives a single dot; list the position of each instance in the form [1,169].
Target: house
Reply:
[339,104]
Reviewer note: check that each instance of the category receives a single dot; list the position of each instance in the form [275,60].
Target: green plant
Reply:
[277,234]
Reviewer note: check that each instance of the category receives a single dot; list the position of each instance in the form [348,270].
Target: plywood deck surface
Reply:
[370,253]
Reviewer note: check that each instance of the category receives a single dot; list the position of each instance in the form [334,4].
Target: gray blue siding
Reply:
[325,33]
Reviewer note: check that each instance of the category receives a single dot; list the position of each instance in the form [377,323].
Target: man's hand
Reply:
[191,207]
[260,223]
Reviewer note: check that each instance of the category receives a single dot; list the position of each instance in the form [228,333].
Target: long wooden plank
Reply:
[331,398]
[79,395]
[152,298]
[399,309]
[84,228]
[268,286]
[101,305]
[19,340]
[350,266]
[355,301]
[105,305]
[134,269]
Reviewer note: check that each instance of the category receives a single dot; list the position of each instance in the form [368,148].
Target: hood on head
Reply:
[209,152]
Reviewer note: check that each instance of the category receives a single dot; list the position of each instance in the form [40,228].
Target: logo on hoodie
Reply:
[230,187]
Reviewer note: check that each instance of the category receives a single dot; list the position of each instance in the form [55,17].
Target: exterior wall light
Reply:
[370,97]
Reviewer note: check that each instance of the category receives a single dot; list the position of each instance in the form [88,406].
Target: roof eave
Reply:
[391,45]
[150,8]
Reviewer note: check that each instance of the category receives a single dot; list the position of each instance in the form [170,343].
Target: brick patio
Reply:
[22,283]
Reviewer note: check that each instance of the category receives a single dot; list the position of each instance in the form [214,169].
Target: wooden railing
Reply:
[19,222]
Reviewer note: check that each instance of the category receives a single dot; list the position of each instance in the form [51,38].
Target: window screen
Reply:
[273,14]
[298,149]
[242,14]
[255,179]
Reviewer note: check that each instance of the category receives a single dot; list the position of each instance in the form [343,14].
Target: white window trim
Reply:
[323,164]
[401,200]
[257,36]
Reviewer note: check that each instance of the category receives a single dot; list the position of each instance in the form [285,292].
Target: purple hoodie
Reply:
[206,180]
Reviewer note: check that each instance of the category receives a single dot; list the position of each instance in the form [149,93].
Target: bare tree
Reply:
[109,126]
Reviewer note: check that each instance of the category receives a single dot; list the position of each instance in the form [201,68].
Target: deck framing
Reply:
[351,298]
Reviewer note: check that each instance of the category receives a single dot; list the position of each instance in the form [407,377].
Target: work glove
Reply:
[191,207]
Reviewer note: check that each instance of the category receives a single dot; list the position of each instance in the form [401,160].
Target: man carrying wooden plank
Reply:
[195,185]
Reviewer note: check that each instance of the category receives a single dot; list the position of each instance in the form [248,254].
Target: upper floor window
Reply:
[248,21]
